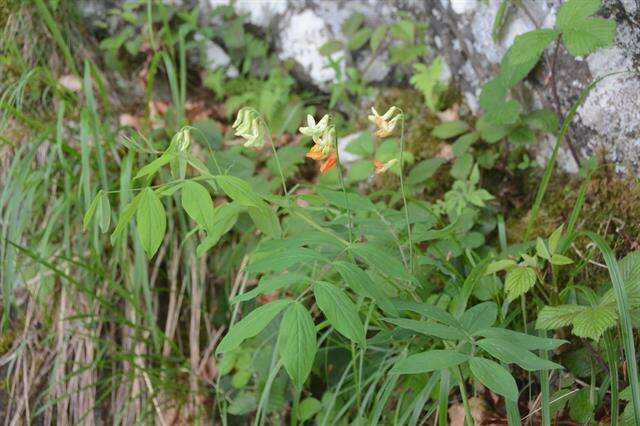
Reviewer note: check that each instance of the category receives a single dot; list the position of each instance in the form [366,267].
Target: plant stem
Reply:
[344,191]
[544,388]
[463,392]
[612,359]
[275,156]
[404,197]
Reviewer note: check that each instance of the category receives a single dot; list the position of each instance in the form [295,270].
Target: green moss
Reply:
[611,207]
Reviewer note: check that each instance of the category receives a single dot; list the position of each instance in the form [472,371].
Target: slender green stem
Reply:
[293,421]
[344,191]
[545,388]
[468,419]
[275,156]
[612,359]
[404,196]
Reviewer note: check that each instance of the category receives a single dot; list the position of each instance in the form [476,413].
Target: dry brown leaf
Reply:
[479,412]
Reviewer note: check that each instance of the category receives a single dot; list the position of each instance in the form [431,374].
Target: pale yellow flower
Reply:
[386,123]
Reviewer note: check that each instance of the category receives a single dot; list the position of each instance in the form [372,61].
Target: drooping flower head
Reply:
[315,130]
[324,137]
[250,126]
[386,123]
[181,140]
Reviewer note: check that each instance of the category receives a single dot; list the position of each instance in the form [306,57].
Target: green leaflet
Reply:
[151,221]
[552,317]
[519,281]
[381,260]
[495,377]
[480,316]
[511,353]
[340,311]
[450,129]
[594,321]
[440,331]
[361,283]
[583,35]
[297,343]
[525,341]
[251,325]
[425,362]
[197,202]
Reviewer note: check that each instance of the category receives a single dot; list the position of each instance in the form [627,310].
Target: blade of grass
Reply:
[625,318]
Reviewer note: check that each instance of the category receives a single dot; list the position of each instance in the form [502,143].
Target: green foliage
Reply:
[427,80]
[334,299]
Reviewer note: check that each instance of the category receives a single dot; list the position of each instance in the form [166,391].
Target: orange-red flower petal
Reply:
[329,163]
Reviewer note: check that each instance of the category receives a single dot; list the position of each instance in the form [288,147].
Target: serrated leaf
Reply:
[340,311]
[425,362]
[450,129]
[594,321]
[524,54]
[297,343]
[519,281]
[251,325]
[197,203]
[583,35]
[511,353]
[151,221]
[552,317]
[589,36]
[495,377]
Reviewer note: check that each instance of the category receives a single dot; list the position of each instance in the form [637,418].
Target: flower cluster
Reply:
[250,126]
[386,123]
[324,136]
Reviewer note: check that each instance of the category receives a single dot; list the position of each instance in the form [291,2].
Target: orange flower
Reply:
[315,153]
[329,163]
